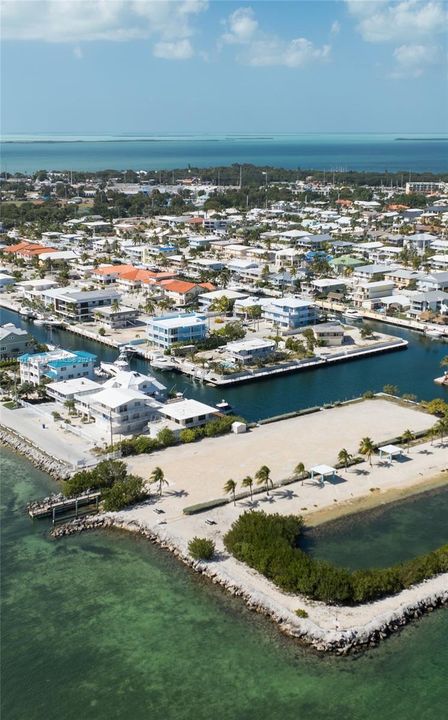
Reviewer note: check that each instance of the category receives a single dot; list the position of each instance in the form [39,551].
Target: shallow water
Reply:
[331,152]
[386,535]
[103,626]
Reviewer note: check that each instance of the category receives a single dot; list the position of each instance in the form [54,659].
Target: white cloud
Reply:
[293,54]
[412,59]
[242,26]
[409,20]
[412,25]
[165,21]
[259,48]
[335,28]
[176,50]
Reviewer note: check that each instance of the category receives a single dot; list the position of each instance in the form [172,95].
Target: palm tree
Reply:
[263,477]
[230,488]
[367,448]
[442,427]
[407,437]
[248,482]
[158,476]
[299,470]
[344,457]
[432,433]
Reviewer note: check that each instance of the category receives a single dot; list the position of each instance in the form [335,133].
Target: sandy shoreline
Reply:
[374,500]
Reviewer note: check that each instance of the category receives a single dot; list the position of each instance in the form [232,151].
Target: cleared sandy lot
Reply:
[202,468]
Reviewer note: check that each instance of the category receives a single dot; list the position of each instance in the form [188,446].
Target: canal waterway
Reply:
[106,626]
[412,370]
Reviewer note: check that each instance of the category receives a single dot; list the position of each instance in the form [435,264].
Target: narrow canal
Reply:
[412,370]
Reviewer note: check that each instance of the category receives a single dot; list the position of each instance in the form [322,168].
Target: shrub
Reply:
[368,395]
[268,543]
[104,475]
[301,613]
[189,435]
[201,548]
[124,492]
[166,437]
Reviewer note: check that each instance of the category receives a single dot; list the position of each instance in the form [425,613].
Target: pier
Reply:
[54,507]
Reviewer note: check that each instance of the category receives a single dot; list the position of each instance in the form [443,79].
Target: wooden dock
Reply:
[57,508]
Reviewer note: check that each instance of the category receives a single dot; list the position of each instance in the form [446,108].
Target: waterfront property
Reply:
[14,341]
[77,306]
[117,317]
[118,411]
[314,439]
[167,330]
[56,365]
[186,413]
[290,313]
[251,350]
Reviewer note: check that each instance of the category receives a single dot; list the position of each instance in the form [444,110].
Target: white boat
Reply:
[121,364]
[39,320]
[162,363]
[352,314]
[433,333]
[26,312]
[223,407]
[52,322]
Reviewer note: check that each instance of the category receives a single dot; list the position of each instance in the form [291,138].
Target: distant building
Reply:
[329,334]
[56,365]
[248,351]
[119,411]
[14,341]
[167,330]
[76,305]
[289,313]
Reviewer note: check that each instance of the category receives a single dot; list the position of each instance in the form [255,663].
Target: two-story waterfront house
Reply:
[288,313]
[167,330]
[56,365]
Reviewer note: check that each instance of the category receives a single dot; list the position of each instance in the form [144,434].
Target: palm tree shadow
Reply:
[177,493]
[286,494]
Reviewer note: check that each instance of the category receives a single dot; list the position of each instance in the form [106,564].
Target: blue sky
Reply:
[195,66]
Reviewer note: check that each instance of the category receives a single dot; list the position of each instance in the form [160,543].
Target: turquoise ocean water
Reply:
[105,626]
[385,152]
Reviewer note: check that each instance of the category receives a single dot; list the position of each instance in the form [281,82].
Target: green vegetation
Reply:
[268,543]
[391,390]
[301,613]
[110,477]
[124,492]
[229,489]
[158,478]
[201,548]
[367,448]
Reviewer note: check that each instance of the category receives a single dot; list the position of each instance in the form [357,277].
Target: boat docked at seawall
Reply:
[120,364]
[162,362]
[352,314]
[435,333]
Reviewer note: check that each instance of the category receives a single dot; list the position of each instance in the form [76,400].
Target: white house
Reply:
[289,312]
[56,365]
[167,330]
[119,411]
[251,350]
[14,341]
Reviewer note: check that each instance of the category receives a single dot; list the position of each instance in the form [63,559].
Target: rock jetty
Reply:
[39,458]
[409,605]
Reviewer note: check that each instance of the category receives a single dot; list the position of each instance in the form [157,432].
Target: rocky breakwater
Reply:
[39,458]
[365,633]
